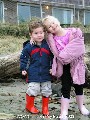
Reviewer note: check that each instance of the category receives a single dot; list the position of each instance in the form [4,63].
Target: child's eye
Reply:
[36,33]
[49,26]
[41,33]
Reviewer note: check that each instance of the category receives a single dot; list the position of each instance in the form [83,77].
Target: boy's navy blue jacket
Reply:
[40,58]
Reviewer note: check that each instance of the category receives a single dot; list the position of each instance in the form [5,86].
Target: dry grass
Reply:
[10,44]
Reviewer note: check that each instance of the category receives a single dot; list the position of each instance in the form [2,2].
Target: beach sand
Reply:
[12,103]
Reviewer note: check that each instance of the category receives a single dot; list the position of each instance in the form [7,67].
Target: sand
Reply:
[12,103]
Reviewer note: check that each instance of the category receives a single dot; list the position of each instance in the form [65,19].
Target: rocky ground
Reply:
[12,103]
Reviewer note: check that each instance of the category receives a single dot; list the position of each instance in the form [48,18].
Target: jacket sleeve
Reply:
[52,45]
[24,58]
[73,49]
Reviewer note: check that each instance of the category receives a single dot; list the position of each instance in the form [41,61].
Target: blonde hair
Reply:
[50,18]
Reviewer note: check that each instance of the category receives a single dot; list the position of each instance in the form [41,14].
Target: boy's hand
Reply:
[24,72]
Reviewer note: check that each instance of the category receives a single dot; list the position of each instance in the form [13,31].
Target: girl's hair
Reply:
[50,18]
[35,24]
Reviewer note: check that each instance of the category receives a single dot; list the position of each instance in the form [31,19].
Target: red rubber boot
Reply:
[45,110]
[30,104]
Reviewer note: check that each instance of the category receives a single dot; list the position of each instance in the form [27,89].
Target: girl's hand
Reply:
[32,41]
[24,72]
[50,71]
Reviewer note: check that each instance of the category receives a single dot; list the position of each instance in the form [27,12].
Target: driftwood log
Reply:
[9,65]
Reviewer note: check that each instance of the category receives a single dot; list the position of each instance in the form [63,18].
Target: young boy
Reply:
[38,70]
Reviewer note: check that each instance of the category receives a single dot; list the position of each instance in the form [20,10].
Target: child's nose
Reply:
[53,26]
[39,35]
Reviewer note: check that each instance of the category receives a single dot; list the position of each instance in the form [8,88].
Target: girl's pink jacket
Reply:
[73,53]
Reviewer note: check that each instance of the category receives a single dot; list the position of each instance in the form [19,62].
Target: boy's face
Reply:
[37,35]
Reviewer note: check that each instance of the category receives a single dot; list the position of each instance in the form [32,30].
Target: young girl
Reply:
[67,45]
[39,77]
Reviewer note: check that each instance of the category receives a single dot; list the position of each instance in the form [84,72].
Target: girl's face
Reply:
[37,35]
[53,26]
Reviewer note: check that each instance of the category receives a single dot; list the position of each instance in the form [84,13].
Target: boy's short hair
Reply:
[35,24]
